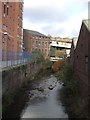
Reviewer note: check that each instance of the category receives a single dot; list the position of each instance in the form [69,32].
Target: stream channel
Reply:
[42,101]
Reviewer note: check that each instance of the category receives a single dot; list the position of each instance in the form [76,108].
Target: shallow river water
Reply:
[43,100]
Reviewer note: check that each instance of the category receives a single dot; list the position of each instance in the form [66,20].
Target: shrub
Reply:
[56,66]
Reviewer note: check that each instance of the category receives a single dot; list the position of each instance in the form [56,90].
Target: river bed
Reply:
[43,100]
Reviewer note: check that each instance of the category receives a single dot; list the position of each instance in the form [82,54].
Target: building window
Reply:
[33,42]
[5,7]
[36,43]
[57,42]
[4,27]
[42,43]
[36,37]
[7,10]
[86,64]
[33,49]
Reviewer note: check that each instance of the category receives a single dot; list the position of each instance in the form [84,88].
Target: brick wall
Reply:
[12,24]
[82,53]
[32,43]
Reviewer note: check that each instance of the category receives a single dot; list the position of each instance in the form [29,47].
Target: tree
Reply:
[37,56]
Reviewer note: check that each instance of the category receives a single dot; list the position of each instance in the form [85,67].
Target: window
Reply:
[7,11]
[57,42]
[36,43]
[86,64]
[4,27]
[33,49]
[77,57]
[42,43]
[36,37]
[33,42]
[39,43]
[5,8]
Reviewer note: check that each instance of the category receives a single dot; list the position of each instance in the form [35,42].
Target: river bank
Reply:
[42,91]
[20,96]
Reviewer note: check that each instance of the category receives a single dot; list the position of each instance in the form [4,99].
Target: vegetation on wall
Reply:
[76,105]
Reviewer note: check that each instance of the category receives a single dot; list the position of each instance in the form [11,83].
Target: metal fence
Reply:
[12,58]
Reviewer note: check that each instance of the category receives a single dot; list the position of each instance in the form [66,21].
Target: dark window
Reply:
[7,10]
[86,64]
[36,43]
[57,42]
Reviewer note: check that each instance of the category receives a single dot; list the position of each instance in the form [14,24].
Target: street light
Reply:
[6,34]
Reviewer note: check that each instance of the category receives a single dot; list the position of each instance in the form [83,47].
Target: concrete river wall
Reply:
[13,77]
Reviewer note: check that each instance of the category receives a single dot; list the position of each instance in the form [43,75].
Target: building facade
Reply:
[34,40]
[59,48]
[82,57]
[12,22]
[73,47]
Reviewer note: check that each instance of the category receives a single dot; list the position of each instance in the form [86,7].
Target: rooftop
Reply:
[59,39]
[35,33]
[87,23]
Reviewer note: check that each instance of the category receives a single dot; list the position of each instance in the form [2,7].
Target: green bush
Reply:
[37,57]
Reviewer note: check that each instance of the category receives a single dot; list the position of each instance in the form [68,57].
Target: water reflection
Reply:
[43,101]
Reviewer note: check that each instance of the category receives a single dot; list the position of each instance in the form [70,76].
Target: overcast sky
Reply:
[55,17]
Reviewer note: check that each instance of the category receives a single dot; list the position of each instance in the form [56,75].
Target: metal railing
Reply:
[12,58]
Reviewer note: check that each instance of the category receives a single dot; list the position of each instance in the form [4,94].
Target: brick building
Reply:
[82,56]
[12,31]
[34,40]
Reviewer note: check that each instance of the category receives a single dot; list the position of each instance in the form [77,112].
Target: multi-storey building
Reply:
[12,31]
[34,40]
[59,48]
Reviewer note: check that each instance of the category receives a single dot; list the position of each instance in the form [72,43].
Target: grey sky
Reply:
[54,17]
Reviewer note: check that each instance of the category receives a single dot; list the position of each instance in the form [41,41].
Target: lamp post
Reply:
[8,53]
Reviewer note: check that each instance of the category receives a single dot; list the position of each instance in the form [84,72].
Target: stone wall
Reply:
[13,78]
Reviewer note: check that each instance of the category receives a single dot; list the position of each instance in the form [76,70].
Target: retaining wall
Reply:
[13,78]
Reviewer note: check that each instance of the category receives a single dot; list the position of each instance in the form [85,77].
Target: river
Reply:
[43,100]
[39,99]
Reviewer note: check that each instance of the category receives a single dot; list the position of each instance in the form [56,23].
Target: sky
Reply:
[58,18]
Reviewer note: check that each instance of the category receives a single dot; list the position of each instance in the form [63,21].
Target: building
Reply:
[82,57]
[73,47]
[12,22]
[34,40]
[59,48]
